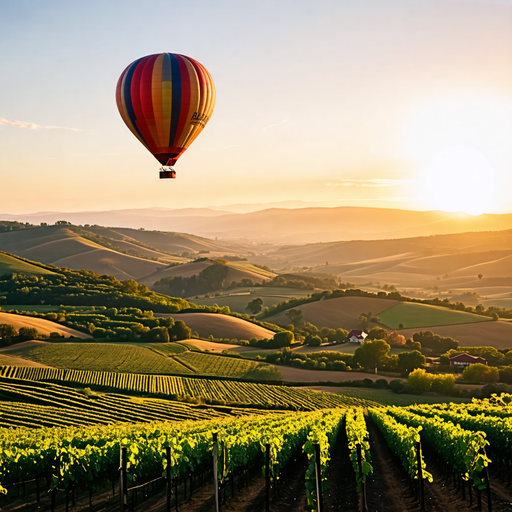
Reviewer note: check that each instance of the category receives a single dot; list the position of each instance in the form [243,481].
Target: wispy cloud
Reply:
[374,182]
[33,126]
[275,124]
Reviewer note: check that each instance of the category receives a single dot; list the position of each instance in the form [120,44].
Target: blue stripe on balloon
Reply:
[128,95]
[176,98]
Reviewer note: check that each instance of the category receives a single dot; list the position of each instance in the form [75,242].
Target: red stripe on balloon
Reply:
[146,99]
[135,95]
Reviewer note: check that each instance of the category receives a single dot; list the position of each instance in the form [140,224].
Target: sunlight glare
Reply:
[459,178]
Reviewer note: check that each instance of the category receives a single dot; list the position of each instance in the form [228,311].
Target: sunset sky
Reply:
[397,104]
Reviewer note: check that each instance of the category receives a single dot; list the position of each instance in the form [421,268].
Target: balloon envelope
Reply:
[166,100]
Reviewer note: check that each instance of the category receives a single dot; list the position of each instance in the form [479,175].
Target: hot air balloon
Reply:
[166,100]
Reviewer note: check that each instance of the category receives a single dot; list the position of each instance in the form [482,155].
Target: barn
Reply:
[466,360]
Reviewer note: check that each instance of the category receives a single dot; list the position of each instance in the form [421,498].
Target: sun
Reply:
[458,178]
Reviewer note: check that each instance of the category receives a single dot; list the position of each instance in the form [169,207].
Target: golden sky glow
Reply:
[400,104]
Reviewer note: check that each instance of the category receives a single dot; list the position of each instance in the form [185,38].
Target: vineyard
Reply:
[109,357]
[437,457]
[214,391]
[206,364]
[39,404]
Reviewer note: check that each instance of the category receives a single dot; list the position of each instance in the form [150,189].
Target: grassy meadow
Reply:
[412,315]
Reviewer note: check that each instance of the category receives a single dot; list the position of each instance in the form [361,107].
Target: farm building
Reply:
[466,360]
[356,336]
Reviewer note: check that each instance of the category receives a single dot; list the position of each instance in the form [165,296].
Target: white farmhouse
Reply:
[356,336]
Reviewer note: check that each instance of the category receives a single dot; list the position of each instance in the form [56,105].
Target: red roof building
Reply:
[466,360]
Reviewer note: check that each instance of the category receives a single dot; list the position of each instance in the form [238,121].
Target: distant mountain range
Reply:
[284,225]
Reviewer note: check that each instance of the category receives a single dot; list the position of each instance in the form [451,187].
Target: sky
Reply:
[384,103]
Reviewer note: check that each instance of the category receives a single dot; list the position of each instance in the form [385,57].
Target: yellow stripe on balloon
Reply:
[166,103]
[156,90]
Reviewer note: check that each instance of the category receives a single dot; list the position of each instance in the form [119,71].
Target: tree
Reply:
[296,317]
[282,339]
[378,333]
[411,360]
[371,353]
[480,276]
[313,341]
[363,321]
[28,333]
[181,331]
[495,316]
[255,306]
[395,339]
[8,331]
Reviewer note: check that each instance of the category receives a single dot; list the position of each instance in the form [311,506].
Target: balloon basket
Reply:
[166,174]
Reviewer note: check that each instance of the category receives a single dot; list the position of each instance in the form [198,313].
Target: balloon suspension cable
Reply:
[167,172]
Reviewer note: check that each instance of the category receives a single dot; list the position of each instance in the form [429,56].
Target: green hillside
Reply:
[412,315]
[11,265]
[103,357]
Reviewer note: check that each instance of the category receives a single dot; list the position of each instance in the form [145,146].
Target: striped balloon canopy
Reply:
[166,100]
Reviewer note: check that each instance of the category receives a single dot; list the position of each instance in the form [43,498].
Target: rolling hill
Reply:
[43,326]
[341,312]
[10,264]
[236,272]
[62,246]
[289,225]
[222,326]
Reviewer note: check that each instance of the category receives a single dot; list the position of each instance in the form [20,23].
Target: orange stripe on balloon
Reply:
[189,127]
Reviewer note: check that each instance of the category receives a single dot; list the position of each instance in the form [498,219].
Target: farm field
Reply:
[101,357]
[340,312]
[496,334]
[345,348]
[209,364]
[238,298]
[387,397]
[39,404]
[218,391]
[43,326]
[221,326]
[423,315]
[291,374]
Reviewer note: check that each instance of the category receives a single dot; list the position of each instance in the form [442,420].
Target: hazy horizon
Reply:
[391,103]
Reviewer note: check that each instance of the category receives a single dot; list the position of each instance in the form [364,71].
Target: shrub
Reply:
[419,381]
[368,383]
[380,384]
[506,374]
[493,387]
[396,385]
[481,373]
